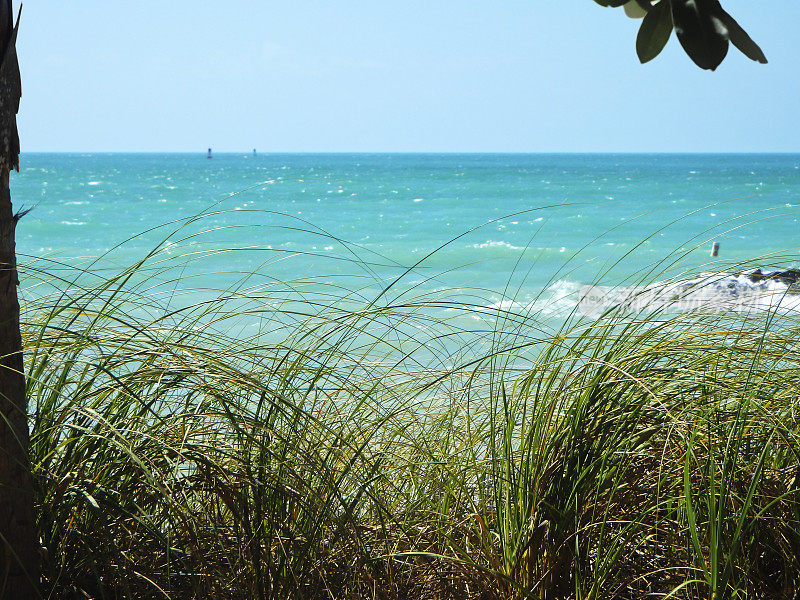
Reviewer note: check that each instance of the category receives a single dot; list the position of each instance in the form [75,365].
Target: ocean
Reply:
[491,230]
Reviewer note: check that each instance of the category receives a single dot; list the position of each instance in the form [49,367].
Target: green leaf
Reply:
[698,31]
[635,10]
[612,3]
[654,32]
[740,39]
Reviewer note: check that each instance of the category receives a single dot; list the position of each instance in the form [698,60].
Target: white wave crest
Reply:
[742,292]
[708,293]
[491,244]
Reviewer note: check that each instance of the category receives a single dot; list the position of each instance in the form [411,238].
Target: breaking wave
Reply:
[753,290]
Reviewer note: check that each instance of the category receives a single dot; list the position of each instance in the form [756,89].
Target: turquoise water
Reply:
[519,227]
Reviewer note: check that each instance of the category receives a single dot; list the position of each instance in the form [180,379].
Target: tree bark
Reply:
[19,568]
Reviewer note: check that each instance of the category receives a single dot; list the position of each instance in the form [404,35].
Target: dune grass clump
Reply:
[342,452]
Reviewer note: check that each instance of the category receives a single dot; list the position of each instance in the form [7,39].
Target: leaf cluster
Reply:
[703,28]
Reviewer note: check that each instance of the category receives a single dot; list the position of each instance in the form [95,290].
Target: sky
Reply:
[380,76]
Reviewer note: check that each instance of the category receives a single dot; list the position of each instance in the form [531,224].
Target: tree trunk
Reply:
[19,568]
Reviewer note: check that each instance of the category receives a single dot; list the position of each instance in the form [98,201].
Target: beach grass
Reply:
[379,448]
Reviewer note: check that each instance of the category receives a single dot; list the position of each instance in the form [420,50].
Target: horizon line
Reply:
[420,152]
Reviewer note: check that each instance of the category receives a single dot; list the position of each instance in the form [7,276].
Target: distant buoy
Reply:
[715,250]
[209,155]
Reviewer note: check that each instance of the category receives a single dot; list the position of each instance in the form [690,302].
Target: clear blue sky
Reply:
[409,75]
